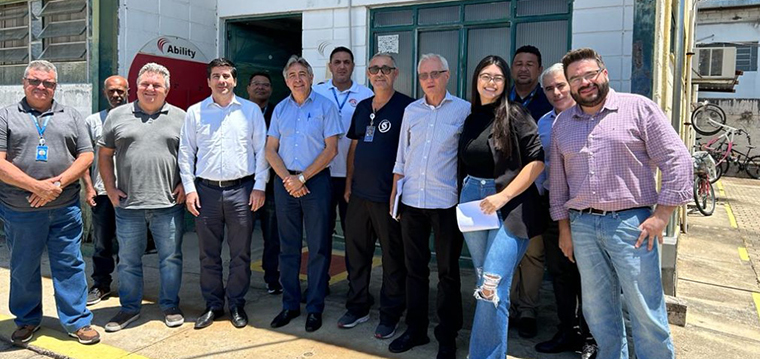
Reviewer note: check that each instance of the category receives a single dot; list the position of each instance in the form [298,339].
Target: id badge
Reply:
[370,134]
[42,153]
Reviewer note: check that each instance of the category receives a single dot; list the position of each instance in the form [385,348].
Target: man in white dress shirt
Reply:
[224,171]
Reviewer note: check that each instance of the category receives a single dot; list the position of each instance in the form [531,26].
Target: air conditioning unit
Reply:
[715,62]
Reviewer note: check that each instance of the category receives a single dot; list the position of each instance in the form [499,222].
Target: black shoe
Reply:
[238,317]
[95,295]
[208,317]
[563,341]
[407,341]
[526,327]
[313,322]
[589,351]
[447,351]
[284,317]
[274,288]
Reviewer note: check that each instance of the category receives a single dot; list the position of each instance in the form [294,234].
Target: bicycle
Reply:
[704,193]
[707,119]
[724,154]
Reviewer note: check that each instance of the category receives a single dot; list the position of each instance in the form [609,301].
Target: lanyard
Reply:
[513,96]
[340,106]
[40,129]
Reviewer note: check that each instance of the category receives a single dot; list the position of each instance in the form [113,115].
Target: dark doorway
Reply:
[263,44]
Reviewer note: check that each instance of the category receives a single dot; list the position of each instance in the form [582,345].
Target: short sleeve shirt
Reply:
[65,136]
[374,160]
[146,153]
[94,124]
[302,129]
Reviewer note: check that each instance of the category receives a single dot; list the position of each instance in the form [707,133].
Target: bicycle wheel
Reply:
[704,196]
[707,119]
[720,170]
[753,167]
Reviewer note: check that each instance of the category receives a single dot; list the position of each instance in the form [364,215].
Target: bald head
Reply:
[116,89]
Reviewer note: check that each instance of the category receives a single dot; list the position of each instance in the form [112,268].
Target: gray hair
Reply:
[43,65]
[154,68]
[295,59]
[440,58]
[387,55]
[553,69]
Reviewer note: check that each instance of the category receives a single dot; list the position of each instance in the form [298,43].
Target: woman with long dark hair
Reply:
[500,156]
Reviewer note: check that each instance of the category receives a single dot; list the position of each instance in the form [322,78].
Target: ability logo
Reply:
[165,46]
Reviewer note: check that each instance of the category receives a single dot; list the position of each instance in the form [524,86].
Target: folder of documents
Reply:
[471,218]
[397,200]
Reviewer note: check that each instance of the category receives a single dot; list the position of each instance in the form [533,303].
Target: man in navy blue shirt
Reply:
[374,134]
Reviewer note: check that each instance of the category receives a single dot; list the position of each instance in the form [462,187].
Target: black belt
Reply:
[599,212]
[224,184]
[295,173]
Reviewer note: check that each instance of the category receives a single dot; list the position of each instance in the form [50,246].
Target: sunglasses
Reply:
[385,69]
[432,74]
[37,82]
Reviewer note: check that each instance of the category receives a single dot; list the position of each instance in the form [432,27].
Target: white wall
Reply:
[78,96]
[749,83]
[143,20]
[607,27]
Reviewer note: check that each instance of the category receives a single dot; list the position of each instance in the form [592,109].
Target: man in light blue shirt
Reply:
[427,160]
[345,94]
[224,172]
[302,140]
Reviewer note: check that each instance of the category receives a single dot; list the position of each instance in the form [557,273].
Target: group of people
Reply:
[566,163]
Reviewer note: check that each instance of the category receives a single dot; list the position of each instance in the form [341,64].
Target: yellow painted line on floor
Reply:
[731,217]
[721,190]
[756,298]
[60,343]
[743,254]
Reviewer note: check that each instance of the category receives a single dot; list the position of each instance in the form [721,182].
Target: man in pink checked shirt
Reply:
[604,194]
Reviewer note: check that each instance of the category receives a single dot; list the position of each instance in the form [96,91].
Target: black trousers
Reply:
[337,200]
[367,221]
[566,281]
[270,258]
[225,208]
[104,236]
[416,224]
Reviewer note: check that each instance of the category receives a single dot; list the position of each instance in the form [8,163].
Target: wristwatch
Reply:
[301,178]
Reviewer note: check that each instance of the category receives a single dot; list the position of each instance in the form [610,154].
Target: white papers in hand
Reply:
[397,200]
[471,218]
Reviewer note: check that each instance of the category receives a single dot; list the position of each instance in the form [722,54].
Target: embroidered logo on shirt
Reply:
[384,126]
[353,102]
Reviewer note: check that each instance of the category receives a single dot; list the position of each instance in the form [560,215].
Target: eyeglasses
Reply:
[385,69]
[488,78]
[432,74]
[36,82]
[589,76]
[262,84]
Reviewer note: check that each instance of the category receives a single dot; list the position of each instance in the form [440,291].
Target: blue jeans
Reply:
[166,226]
[309,213]
[495,255]
[27,234]
[609,263]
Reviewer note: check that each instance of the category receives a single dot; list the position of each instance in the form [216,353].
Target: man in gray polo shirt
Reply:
[44,149]
[144,136]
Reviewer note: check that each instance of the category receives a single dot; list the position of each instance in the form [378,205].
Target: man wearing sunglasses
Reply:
[44,150]
[603,189]
[345,94]
[427,161]
[374,133]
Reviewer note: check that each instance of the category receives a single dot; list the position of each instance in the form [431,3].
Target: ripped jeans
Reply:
[495,255]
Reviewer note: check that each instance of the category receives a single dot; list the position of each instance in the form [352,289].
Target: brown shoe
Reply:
[24,333]
[86,335]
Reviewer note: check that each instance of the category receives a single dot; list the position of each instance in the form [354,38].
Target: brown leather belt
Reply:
[599,212]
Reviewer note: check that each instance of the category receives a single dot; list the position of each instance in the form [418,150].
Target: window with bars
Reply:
[466,31]
[53,30]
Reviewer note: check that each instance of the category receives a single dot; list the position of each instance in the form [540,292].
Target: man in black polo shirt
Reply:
[374,134]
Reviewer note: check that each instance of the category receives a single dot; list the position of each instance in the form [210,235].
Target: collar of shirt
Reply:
[446,98]
[23,106]
[209,101]
[611,103]
[137,109]
[354,87]
[310,98]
